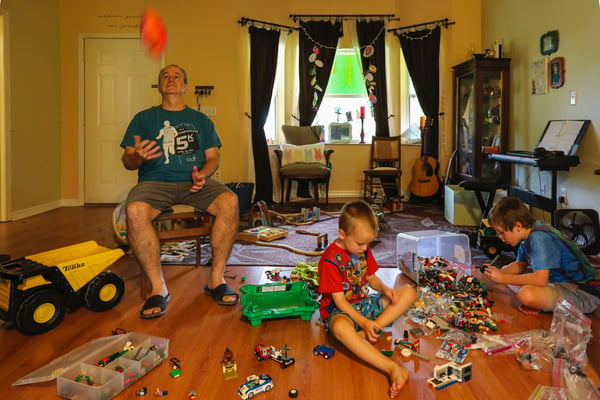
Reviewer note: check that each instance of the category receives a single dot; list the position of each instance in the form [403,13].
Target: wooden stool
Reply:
[183,223]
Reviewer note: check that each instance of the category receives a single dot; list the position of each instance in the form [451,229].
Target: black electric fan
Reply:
[581,226]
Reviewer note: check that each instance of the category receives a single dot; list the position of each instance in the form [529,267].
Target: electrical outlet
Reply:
[217,175]
[562,198]
[563,192]
[210,111]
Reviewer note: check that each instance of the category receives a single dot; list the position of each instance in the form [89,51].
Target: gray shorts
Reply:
[556,291]
[584,301]
[163,195]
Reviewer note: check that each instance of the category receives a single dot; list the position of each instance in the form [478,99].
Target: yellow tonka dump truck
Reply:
[36,290]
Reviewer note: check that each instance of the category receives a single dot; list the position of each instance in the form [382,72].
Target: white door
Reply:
[118,79]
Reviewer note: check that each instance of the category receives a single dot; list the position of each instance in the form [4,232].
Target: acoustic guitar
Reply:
[425,181]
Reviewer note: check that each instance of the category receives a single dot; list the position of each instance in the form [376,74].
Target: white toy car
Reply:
[255,385]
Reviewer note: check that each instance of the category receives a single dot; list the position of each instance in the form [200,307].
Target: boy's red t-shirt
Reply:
[341,271]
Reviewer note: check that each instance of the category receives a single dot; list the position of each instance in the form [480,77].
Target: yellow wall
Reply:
[34,139]
[520,24]
[206,39]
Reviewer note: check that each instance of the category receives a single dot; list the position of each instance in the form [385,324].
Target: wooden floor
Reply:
[199,331]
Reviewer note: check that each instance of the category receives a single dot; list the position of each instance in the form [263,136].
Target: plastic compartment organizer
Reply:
[101,368]
[454,247]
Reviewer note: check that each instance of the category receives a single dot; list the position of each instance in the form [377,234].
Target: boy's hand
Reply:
[495,274]
[371,330]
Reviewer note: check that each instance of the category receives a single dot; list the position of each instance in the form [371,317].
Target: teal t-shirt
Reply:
[183,136]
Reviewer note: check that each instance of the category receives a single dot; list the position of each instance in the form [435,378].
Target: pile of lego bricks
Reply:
[466,302]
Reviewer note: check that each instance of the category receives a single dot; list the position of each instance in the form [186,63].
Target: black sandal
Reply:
[221,291]
[156,301]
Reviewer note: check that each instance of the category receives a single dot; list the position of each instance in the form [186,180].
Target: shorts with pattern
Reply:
[369,307]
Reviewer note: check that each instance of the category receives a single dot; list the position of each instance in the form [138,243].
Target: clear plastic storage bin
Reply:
[454,247]
[103,367]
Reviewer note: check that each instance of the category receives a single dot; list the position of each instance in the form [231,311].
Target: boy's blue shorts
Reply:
[369,307]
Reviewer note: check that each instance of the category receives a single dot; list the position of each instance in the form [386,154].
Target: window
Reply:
[413,133]
[414,107]
[345,95]
[271,123]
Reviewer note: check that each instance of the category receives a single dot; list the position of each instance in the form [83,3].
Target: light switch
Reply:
[573,97]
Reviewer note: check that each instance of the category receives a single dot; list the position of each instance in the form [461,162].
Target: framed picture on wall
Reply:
[539,76]
[557,72]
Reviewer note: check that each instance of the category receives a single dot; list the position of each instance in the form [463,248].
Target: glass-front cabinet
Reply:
[481,95]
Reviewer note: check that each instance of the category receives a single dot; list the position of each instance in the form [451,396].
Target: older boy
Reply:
[558,270]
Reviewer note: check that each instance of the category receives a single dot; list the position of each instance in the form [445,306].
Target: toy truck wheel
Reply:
[104,292]
[40,312]
[491,250]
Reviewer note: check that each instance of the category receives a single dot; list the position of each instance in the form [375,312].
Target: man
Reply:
[181,176]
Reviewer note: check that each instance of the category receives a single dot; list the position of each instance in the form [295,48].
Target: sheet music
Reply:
[561,136]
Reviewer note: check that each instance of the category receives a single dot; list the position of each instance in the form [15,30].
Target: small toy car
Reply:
[324,350]
[255,385]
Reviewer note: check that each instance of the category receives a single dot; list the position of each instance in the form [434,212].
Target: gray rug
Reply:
[414,217]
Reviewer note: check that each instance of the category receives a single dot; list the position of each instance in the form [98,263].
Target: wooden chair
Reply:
[309,172]
[384,166]
[178,224]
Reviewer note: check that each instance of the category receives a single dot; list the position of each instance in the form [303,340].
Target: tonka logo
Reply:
[71,267]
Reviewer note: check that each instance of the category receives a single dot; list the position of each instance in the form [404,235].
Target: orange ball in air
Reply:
[154,32]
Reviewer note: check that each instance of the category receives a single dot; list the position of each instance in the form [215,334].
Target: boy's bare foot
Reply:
[398,378]
[528,311]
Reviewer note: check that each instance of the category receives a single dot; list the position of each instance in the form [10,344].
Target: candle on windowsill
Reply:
[362,112]
[422,122]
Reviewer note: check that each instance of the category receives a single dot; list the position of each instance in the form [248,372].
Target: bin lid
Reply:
[53,369]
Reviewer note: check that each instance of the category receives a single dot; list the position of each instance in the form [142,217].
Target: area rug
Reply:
[414,217]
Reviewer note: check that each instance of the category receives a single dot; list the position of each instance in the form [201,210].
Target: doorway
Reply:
[119,80]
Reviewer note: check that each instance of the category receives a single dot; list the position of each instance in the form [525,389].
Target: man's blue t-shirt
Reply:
[544,250]
[183,136]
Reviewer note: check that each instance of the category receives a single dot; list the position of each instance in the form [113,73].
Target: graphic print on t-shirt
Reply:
[355,286]
[179,140]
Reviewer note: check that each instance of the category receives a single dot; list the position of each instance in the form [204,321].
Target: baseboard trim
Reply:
[42,208]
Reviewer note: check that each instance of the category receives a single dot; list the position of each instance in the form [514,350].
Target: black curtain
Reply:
[421,51]
[263,64]
[371,38]
[319,38]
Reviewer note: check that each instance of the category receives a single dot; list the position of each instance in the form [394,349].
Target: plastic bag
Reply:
[542,392]
[571,332]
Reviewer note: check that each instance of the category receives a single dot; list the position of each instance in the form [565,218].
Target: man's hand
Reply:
[146,149]
[198,180]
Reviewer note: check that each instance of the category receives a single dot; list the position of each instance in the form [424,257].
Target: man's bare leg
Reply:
[222,236]
[145,245]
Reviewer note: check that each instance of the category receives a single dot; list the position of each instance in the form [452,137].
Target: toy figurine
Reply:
[229,365]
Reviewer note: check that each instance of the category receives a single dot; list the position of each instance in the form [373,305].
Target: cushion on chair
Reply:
[301,135]
[383,169]
[304,169]
[310,153]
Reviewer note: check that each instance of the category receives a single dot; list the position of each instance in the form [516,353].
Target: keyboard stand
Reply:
[553,165]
